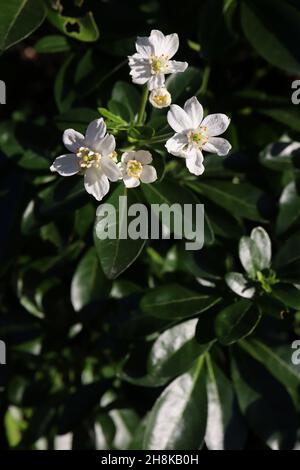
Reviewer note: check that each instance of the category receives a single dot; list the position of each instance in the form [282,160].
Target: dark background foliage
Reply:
[150,340]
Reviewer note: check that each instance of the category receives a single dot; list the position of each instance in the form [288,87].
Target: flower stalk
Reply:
[143,105]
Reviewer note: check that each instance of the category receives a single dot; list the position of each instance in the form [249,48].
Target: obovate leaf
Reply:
[239,199]
[264,402]
[271,26]
[89,283]
[52,44]
[175,350]
[289,207]
[83,29]
[240,285]
[19,18]
[116,254]
[178,418]
[169,193]
[278,362]
[236,321]
[287,294]
[175,302]
[225,428]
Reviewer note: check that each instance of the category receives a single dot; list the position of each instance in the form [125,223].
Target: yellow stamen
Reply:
[134,168]
[88,158]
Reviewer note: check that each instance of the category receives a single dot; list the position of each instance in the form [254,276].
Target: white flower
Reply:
[135,167]
[160,98]
[92,154]
[152,61]
[194,134]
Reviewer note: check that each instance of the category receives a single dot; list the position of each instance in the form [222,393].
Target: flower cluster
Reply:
[94,155]
[151,63]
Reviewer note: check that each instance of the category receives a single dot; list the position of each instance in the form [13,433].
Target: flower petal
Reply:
[143,156]
[73,140]
[126,156]
[174,66]
[96,183]
[156,81]
[178,119]
[66,165]
[106,146]
[131,182]
[157,40]
[194,110]
[144,46]
[110,169]
[170,45]
[217,145]
[176,144]
[148,174]
[194,162]
[95,132]
[216,124]
[140,69]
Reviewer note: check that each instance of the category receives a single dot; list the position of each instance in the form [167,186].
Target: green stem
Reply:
[204,84]
[144,100]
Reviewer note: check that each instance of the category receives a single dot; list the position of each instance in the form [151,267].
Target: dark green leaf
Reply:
[178,418]
[117,254]
[174,351]
[52,44]
[19,18]
[289,208]
[176,302]
[89,283]
[271,26]
[225,428]
[278,362]
[239,199]
[264,402]
[236,321]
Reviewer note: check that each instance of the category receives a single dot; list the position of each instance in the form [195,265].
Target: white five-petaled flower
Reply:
[194,134]
[152,61]
[135,167]
[160,98]
[92,154]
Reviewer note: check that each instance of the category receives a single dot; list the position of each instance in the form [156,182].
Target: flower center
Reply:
[161,100]
[198,137]
[88,158]
[158,64]
[134,168]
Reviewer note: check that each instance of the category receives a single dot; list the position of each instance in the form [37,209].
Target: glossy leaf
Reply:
[278,362]
[175,350]
[83,29]
[289,208]
[225,428]
[264,402]
[240,285]
[178,418]
[89,283]
[236,321]
[270,26]
[117,254]
[176,302]
[19,18]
